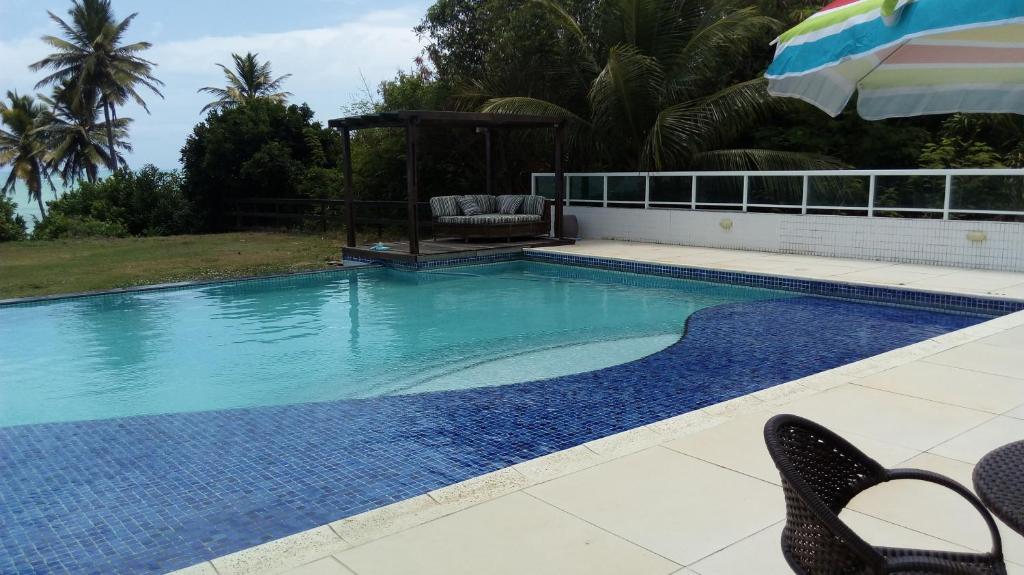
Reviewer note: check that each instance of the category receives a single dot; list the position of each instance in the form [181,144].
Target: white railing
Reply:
[646,197]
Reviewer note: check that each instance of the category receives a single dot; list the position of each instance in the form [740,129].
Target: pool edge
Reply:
[175,286]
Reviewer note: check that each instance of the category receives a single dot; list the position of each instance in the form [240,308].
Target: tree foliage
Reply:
[12,225]
[249,81]
[149,202]
[262,149]
[77,143]
[22,145]
[93,67]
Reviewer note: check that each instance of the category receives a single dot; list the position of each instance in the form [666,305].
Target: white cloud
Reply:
[15,57]
[327,66]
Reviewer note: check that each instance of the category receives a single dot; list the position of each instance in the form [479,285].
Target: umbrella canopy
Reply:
[906,57]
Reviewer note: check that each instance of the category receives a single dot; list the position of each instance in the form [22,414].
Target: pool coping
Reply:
[174,286]
[297,550]
[849,290]
[950,300]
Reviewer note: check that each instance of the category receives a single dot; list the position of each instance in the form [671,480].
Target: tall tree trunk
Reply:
[42,209]
[110,135]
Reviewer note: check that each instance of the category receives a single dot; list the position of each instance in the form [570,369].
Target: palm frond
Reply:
[727,39]
[561,16]
[759,160]
[624,94]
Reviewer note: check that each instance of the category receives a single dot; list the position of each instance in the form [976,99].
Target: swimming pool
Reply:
[146,432]
[361,334]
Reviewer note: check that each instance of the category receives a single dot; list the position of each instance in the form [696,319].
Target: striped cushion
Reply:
[488,219]
[533,205]
[444,206]
[509,204]
[488,204]
[469,205]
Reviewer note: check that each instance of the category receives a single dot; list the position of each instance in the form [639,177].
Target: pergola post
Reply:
[490,161]
[412,185]
[350,202]
[559,181]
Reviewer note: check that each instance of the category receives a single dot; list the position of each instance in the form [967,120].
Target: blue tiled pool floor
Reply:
[151,494]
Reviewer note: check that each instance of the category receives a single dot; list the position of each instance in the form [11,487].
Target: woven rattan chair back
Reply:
[821,472]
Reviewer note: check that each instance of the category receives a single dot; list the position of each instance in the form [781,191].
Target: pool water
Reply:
[349,335]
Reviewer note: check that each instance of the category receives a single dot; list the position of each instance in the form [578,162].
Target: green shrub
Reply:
[149,202]
[12,226]
[263,149]
[58,226]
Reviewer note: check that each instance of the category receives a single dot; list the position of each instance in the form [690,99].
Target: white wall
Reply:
[934,242]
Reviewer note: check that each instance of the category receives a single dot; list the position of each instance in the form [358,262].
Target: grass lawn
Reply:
[36,268]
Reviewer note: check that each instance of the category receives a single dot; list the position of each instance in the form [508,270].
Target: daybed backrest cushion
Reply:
[509,204]
[533,205]
[469,206]
[487,204]
[444,206]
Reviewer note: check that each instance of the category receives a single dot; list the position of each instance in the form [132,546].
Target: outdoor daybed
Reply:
[486,216]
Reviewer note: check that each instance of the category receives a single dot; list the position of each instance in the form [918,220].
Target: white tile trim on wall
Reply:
[966,244]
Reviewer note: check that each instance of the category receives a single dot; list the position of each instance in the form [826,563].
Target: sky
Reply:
[334,50]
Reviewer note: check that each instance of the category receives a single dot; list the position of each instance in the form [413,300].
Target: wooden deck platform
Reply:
[442,249]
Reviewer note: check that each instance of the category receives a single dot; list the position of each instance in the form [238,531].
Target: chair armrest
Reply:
[923,565]
[922,475]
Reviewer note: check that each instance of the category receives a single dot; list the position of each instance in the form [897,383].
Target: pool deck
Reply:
[697,493]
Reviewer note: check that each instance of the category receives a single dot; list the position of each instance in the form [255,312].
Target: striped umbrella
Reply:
[906,57]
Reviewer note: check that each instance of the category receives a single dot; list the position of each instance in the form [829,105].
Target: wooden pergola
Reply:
[412,121]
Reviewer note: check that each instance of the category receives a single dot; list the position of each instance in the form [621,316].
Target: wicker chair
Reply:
[821,472]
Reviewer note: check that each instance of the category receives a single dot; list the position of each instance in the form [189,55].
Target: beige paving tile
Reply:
[935,510]
[393,518]
[281,554]
[887,417]
[325,566]
[511,535]
[1013,339]
[625,443]
[739,445]
[677,506]
[1018,412]
[752,264]
[1016,291]
[973,280]
[558,464]
[942,383]
[986,358]
[482,488]
[859,265]
[762,553]
[199,569]
[893,275]
[813,270]
[971,446]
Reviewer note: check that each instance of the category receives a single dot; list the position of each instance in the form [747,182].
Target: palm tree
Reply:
[91,57]
[648,86]
[250,80]
[77,144]
[22,146]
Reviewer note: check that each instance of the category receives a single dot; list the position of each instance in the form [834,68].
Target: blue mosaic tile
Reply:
[156,493]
